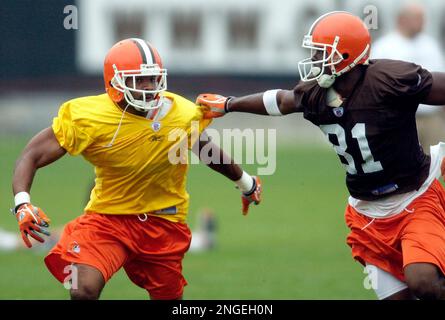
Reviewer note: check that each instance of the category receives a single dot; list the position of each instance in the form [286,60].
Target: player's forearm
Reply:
[215,158]
[225,165]
[219,161]
[231,170]
[23,174]
[251,104]
[272,102]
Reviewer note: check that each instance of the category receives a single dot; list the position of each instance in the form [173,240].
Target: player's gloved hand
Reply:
[215,104]
[32,221]
[252,196]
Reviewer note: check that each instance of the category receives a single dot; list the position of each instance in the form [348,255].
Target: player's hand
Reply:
[33,222]
[252,196]
[215,105]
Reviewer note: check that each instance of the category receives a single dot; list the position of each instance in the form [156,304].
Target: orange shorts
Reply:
[150,251]
[415,235]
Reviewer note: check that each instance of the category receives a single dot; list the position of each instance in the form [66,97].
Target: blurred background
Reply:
[293,245]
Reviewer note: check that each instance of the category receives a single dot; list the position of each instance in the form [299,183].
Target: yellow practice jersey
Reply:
[134,171]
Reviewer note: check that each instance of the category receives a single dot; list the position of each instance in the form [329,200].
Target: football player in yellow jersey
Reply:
[136,216]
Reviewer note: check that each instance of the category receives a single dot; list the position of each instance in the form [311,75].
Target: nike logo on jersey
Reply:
[156,138]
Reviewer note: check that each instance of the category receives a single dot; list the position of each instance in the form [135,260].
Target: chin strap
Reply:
[333,99]
[326,80]
[154,114]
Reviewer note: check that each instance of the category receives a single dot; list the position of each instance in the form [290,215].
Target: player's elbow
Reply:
[436,95]
[32,156]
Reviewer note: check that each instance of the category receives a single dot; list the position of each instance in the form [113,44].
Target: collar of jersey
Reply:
[163,110]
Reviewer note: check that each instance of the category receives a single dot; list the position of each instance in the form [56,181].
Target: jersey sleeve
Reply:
[308,97]
[70,136]
[406,80]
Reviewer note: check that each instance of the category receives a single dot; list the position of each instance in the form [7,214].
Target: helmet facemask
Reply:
[149,99]
[324,58]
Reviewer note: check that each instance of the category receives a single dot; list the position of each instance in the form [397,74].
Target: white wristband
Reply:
[270,102]
[245,183]
[22,197]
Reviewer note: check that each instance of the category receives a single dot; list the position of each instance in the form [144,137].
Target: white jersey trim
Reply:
[164,109]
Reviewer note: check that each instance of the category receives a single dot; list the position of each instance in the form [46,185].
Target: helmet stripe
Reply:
[146,55]
[155,55]
[148,52]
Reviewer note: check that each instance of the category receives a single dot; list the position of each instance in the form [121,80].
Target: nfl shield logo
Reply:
[75,247]
[338,111]
[156,126]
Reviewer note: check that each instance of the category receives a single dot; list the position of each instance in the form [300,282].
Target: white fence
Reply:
[230,36]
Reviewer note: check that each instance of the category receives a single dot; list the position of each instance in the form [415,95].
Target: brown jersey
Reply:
[374,131]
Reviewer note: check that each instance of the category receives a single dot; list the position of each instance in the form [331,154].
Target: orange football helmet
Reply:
[338,41]
[133,58]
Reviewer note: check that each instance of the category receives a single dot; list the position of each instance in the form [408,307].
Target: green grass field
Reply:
[292,246]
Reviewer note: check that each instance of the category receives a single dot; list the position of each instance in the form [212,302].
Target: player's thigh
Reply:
[425,280]
[90,241]
[156,263]
[422,239]
[87,282]
[162,279]
[405,294]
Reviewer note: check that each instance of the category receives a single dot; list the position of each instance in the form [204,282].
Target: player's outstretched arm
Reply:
[272,102]
[436,95]
[42,150]
[219,161]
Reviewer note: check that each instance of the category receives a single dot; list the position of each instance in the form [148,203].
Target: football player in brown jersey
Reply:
[367,108]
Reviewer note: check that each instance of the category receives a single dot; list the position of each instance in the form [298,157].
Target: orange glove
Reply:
[31,221]
[215,104]
[253,196]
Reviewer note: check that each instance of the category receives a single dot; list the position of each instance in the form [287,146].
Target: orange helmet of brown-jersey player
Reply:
[125,63]
[338,41]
